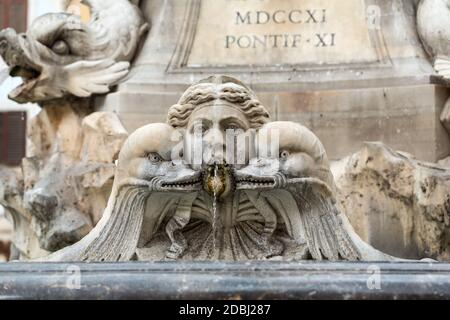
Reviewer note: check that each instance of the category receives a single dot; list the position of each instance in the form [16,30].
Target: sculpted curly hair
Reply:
[218,88]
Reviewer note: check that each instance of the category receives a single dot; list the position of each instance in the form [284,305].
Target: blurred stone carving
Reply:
[60,55]
[59,195]
[64,183]
[25,242]
[397,203]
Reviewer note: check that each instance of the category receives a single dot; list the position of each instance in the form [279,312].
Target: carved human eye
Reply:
[61,47]
[154,157]
[199,128]
[233,126]
[284,155]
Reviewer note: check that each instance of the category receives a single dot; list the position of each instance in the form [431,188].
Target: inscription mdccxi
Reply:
[295,17]
[271,33]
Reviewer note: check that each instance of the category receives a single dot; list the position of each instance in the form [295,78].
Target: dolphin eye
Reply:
[284,155]
[154,157]
[61,47]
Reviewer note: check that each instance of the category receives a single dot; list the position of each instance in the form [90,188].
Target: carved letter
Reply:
[242,20]
[311,14]
[276,14]
[260,15]
[230,40]
[297,38]
[291,16]
[275,38]
[321,40]
[244,44]
[260,40]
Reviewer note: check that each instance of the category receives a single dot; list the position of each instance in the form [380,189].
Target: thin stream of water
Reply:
[214,219]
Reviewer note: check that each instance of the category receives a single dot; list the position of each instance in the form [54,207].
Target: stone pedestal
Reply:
[352,72]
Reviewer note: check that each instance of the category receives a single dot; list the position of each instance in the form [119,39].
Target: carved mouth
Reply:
[191,184]
[255,182]
[15,51]
[29,76]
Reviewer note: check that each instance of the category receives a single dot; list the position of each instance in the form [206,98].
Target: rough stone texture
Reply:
[24,238]
[62,188]
[398,204]
[445,162]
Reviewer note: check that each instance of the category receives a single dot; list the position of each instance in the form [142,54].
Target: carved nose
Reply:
[213,151]
[214,137]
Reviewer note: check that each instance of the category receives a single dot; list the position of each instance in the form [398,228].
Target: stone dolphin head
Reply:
[60,55]
[286,150]
[300,167]
[150,156]
[146,165]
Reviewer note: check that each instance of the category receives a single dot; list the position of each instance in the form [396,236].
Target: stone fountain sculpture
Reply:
[67,176]
[246,209]
[256,190]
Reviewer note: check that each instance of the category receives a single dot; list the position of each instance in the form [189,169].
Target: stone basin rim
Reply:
[225,266]
[253,280]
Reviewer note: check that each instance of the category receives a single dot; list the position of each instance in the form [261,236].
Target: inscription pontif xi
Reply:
[288,32]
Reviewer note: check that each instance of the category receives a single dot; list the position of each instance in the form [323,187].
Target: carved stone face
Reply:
[210,126]
[212,136]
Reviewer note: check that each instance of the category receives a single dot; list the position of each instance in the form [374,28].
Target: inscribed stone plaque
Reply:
[273,32]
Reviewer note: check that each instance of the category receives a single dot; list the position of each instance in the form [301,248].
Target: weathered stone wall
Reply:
[396,203]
